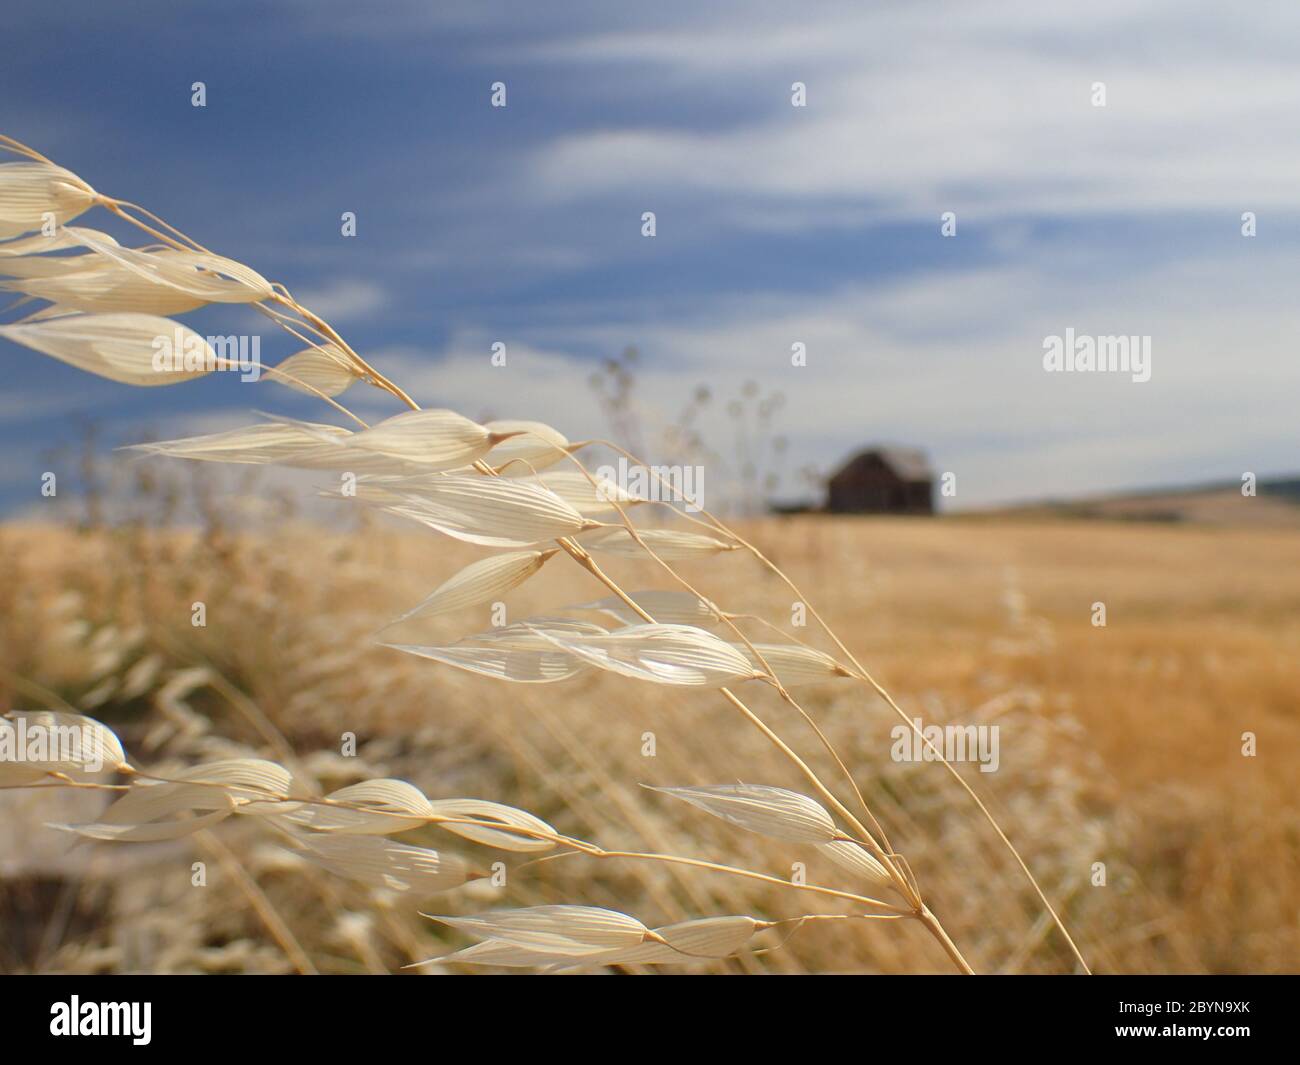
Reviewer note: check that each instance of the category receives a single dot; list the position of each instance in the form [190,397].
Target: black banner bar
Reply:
[145,1014]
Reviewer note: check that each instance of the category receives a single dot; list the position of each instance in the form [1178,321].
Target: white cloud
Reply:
[344,299]
[538,384]
[914,109]
[951,362]
[17,408]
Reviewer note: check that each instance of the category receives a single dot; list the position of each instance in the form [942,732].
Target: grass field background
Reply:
[1119,744]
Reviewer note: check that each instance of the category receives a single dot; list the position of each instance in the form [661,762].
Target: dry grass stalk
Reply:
[479,484]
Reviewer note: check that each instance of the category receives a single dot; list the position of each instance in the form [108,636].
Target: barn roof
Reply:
[908,463]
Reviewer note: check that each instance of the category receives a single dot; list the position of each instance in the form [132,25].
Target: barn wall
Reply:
[872,487]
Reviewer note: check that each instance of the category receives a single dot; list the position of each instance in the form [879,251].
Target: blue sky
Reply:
[775,224]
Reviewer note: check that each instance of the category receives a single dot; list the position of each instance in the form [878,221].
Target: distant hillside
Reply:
[1277,503]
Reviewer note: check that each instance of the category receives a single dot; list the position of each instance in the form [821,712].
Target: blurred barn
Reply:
[883,480]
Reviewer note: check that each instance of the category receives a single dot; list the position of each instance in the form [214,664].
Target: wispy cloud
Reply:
[344,299]
[952,362]
[24,407]
[776,224]
[986,110]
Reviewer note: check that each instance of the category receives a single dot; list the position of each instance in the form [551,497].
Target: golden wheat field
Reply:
[1119,745]
[301,722]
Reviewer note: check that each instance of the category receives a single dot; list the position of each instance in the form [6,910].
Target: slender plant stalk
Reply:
[296,319]
[863,675]
[275,924]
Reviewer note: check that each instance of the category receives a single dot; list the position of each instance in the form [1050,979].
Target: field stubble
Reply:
[1118,744]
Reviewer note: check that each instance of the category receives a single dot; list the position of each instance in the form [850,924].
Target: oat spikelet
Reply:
[481,582]
[30,192]
[120,347]
[773,812]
